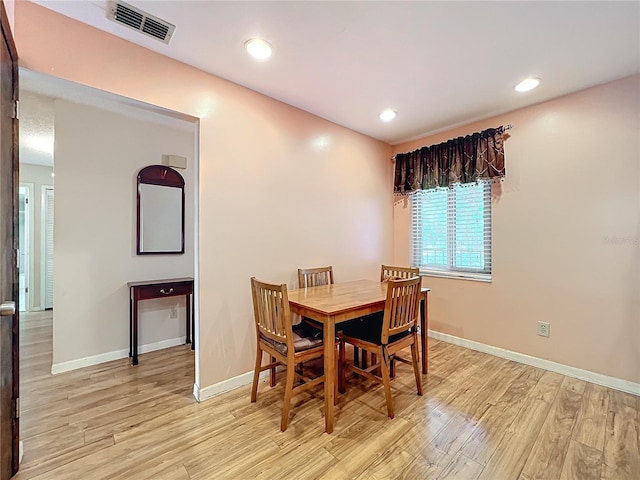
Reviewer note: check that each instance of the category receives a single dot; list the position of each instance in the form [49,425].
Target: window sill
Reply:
[476,277]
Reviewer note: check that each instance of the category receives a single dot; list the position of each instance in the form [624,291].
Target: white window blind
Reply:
[451,231]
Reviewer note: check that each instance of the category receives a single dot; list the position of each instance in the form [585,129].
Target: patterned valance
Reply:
[476,157]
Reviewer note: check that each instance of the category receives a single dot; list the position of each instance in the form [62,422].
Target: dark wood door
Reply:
[9,387]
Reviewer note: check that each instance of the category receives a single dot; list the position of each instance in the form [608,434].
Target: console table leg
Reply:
[188,315]
[134,339]
[130,325]
[193,322]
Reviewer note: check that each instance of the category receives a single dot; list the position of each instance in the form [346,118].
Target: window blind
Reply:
[451,230]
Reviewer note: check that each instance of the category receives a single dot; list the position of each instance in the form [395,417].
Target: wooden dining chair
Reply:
[388,272]
[396,331]
[315,277]
[287,345]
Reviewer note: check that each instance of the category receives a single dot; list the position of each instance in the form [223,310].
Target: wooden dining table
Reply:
[340,302]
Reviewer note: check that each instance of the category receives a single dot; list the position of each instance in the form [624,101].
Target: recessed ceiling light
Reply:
[388,115]
[527,84]
[258,48]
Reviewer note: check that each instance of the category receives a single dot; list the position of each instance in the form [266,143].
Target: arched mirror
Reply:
[160,226]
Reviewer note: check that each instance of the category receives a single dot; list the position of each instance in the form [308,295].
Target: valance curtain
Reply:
[476,157]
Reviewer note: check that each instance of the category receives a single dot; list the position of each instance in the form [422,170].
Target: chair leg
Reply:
[416,366]
[288,391]
[256,375]
[272,373]
[356,356]
[386,381]
[392,369]
[365,359]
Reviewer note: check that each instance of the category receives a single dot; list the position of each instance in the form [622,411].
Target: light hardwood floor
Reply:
[481,417]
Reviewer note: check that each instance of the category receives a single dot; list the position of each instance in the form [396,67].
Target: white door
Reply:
[47,246]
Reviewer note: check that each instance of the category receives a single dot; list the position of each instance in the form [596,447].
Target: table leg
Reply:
[134,322]
[424,324]
[193,322]
[329,373]
[188,315]
[130,323]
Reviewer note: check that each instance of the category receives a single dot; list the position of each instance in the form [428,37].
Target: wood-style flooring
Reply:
[481,417]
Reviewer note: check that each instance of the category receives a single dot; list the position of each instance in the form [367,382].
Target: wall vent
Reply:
[139,20]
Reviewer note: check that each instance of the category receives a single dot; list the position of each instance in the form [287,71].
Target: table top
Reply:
[155,282]
[341,297]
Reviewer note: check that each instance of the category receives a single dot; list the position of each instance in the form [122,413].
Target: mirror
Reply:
[160,227]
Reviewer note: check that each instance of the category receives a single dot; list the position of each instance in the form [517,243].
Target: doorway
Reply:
[94,219]
[25,229]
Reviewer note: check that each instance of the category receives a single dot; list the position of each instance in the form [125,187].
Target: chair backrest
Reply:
[388,272]
[401,307]
[314,277]
[271,312]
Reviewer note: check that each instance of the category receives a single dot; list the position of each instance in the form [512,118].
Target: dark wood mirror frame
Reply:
[161,176]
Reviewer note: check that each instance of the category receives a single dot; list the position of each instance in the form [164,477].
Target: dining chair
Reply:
[314,277]
[388,272]
[385,338]
[287,345]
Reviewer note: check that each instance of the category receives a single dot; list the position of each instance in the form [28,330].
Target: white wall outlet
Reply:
[544,328]
[174,312]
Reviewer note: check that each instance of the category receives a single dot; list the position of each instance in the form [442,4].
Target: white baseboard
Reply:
[202,394]
[109,356]
[586,375]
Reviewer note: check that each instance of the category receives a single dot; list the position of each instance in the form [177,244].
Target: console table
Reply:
[171,287]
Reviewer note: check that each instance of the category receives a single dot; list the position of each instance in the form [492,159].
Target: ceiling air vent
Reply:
[139,20]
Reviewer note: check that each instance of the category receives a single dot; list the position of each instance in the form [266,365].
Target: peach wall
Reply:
[9,6]
[271,196]
[565,236]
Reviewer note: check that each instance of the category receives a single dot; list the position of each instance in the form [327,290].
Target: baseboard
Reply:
[586,375]
[202,394]
[109,356]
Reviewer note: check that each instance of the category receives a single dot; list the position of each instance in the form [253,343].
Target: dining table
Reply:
[341,302]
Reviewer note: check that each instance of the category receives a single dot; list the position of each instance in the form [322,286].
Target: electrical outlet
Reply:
[174,312]
[544,328]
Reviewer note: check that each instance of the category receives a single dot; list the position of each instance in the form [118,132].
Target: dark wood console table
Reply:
[171,287]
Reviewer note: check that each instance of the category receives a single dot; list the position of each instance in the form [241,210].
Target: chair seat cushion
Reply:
[304,338]
[369,329]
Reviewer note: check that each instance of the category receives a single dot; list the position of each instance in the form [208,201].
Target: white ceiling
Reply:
[439,64]
[36,129]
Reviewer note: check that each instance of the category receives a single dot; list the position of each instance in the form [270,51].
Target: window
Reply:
[451,231]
